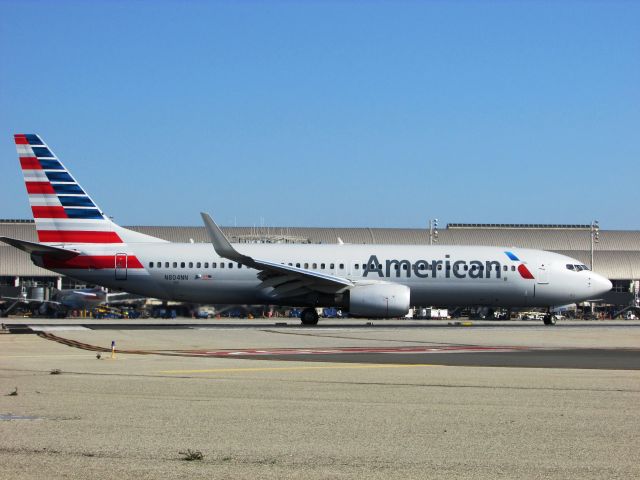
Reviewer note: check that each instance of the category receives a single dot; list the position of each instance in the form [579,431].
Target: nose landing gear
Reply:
[549,318]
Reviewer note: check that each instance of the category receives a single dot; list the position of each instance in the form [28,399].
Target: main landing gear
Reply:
[309,316]
[549,319]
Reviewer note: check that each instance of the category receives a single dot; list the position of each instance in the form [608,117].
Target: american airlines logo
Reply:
[438,268]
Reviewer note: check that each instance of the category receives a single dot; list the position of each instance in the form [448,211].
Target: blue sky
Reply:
[381,114]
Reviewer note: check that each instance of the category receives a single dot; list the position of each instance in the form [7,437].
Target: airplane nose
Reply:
[601,284]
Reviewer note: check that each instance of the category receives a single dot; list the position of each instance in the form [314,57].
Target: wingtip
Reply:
[206,217]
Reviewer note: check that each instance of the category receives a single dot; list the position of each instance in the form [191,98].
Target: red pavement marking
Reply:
[339,350]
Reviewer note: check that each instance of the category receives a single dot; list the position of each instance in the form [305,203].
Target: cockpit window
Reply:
[577,268]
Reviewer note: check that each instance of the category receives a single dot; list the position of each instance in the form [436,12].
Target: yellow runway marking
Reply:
[283,369]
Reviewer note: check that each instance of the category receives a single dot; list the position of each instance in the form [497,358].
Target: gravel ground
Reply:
[133,415]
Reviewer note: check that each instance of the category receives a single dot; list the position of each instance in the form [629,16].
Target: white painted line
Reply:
[56,328]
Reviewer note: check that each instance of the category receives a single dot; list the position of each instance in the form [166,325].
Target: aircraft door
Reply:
[543,273]
[121,266]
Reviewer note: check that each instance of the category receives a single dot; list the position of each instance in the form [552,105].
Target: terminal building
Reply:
[615,253]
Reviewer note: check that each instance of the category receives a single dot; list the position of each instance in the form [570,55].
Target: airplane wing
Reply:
[39,249]
[286,280]
[29,300]
[85,293]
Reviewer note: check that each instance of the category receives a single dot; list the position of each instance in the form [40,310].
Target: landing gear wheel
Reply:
[549,319]
[309,316]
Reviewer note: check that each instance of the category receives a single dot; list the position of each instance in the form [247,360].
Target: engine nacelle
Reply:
[379,300]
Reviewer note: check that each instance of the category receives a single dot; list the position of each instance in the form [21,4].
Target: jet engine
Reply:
[379,300]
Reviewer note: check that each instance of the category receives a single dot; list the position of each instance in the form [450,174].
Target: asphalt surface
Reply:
[319,417]
[606,359]
[324,324]
[525,357]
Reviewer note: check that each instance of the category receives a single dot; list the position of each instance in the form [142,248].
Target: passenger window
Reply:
[190,264]
[315,266]
[239,265]
[342,266]
[166,264]
[406,267]
[221,264]
[182,265]
[332,266]
[230,265]
[569,267]
[198,265]
[421,267]
[505,268]
[297,265]
[356,266]
[206,264]
[150,264]
[440,267]
[175,264]
[214,265]
[364,266]
[466,267]
[513,268]
[322,266]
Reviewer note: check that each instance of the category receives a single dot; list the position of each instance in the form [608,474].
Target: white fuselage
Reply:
[435,275]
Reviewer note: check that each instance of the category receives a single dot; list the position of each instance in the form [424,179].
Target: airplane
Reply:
[66,299]
[77,239]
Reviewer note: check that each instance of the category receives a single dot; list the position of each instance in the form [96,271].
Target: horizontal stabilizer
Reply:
[39,249]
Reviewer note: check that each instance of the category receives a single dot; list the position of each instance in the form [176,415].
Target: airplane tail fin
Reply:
[63,212]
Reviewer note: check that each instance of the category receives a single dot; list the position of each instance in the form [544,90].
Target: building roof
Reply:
[617,255]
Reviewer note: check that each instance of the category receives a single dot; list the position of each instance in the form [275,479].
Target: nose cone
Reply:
[600,284]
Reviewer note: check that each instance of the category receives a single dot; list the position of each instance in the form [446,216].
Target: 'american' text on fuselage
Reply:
[425,269]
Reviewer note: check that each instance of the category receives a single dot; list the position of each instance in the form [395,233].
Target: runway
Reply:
[470,355]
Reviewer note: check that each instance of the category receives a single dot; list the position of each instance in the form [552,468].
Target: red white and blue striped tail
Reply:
[64,213]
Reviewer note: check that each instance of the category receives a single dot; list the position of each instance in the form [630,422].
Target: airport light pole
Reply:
[433,231]
[595,238]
